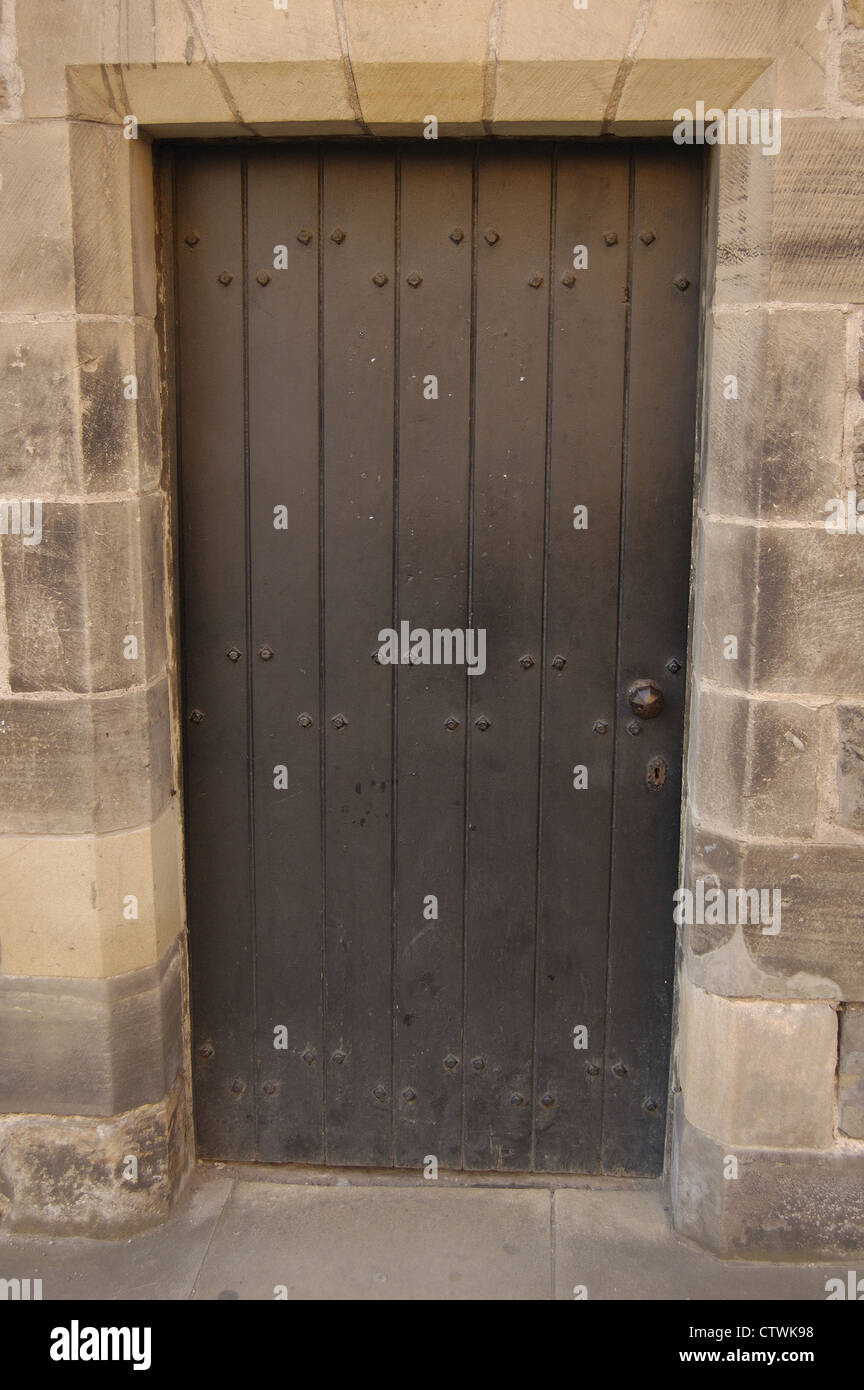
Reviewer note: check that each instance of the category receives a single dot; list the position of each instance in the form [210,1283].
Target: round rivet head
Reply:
[634,728]
[409,1095]
[673,667]
[611,238]
[338,1058]
[483,723]
[233,654]
[304,236]
[337,235]
[559,662]
[451,724]
[568,279]
[478,1063]
[308,1056]
[650,1105]
[304,720]
[647,237]
[415,278]
[681,282]
[592,1069]
[225,277]
[379,1093]
[379,279]
[619,1069]
[457,235]
[536,281]
[196,716]
[516,1099]
[269,1088]
[262,277]
[338,721]
[208,1050]
[491,236]
[600,726]
[547,1101]
[450,1061]
[526,662]
[266,653]
[192,239]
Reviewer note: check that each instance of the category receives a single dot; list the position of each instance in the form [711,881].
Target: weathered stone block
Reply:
[743,197]
[550,97]
[90,1047]
[850,766]
[795,36]
[67,909]
[114,220]
[757,764]
[798,1205]
[120,437]
[75,766]
[791,595]
[774,452]
[818,952]
[656,87]
[852,69]
[39,408]
[850,1072]
[754,1072]
[78,600]
[66,1176]
[854,12]
[36,265]
[818,244]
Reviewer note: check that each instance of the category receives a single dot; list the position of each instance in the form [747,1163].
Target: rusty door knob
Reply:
[646,699]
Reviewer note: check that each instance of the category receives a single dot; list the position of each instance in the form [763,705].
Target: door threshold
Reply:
[319,1175]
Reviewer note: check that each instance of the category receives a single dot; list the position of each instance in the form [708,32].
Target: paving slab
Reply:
[154,1265]
[619,1245]
[380,1243]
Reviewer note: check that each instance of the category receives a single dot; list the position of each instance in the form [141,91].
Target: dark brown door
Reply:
[449,385]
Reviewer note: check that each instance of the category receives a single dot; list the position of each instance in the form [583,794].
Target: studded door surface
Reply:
[450,386]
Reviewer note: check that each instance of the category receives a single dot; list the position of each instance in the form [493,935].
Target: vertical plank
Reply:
[213,488]
[283,445]
[653,628]
[433,478]
[358,384]
[509,502]
[586,422]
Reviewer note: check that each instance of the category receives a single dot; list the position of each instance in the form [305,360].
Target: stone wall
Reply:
[92,1020]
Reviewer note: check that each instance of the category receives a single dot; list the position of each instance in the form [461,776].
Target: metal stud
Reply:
[338,721]
[196,716]
[192,239]
[304,236]
[262,277]
[592,1069]
[483,723]
[308,1056]
[634,728]
[208,1050]
[225,277]
[611,238]
[536,281]
[650,1105]
[559,662]
[526,662]
[415,278]
[233,654]
[547,1101]
[457,235]
[681,282]
[568,279]
[478,1063]
[450,1061]
[304,720]
[451,724]
[338,1058]
[379,1093]
[491,236]
[379,279]
[376,656]
[269,1088]
[647,237]
[238,1086]
[409,1095]
[337,235]
[619,1069]
[673,667]
[266,654]
[600,726]
[516,1099]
